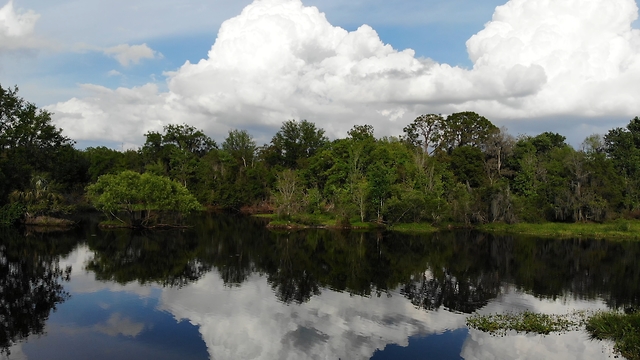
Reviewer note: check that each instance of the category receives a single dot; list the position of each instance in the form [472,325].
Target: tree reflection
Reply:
[30,282]
[164,257]
[460,271]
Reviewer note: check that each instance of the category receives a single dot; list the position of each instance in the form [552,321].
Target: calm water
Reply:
[230,289]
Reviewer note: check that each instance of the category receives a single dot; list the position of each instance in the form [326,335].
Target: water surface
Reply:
[230,289]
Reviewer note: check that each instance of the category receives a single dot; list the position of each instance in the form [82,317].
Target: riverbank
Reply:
[618,229]
[312,221]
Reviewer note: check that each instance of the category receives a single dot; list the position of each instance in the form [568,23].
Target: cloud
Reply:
[279,60]
[235,325]
[16,28]
[119,325]
[114,73]
[128,54]
[570,345]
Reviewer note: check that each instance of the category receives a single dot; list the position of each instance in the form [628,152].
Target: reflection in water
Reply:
[30,283]
[166,258]
[317,293]
[459,271]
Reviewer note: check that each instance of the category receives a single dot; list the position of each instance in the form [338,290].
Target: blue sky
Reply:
[111,71]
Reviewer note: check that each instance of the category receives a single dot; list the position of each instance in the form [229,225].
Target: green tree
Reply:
[294,143]
[241,146]
[289,193]
[144,199]
[40,198]
[622,146]
[465,128]
[425,132]
[29,142]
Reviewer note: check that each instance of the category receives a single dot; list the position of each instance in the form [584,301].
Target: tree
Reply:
[498,146]
[143,198]
[188,138]
[29,142]
[241,146]
[177,152]
[622,145]
[295,142]
[288,193]
[465,128]
[424,132]
[39,198]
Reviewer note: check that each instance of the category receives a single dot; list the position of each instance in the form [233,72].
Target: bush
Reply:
[10,214]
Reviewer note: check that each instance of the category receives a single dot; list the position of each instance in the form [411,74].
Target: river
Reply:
[228,288]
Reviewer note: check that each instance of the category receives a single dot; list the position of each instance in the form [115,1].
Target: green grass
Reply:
[299,221]
[619,229]
[414,228]
[623,329]
[312,220]
[526,322]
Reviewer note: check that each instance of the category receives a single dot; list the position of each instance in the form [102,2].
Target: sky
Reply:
[112,71]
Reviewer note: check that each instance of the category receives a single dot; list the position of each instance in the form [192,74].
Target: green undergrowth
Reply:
[527,322]
[313,220]
[619,229]
[414,228]
[622,329]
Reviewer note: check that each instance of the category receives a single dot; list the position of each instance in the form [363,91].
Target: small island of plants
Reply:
[621,328]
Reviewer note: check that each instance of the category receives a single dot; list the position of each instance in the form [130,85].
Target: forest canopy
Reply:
[459,168]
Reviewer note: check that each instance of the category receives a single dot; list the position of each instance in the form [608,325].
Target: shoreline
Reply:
[612,230]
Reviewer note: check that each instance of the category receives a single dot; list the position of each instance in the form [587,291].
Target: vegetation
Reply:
[145,199]
[527,322]
[618,229]
[456,169]
[622,329]
[414,228]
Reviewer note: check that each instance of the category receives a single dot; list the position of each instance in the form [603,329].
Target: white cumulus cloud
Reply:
[279,59]
[131,54]
[16,28]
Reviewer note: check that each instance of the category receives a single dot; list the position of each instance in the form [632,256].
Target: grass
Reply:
[526,322]
[619,229]
[622,329]
[414,228]
[302,221]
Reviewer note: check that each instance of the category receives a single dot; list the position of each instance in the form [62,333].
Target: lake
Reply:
[228,288]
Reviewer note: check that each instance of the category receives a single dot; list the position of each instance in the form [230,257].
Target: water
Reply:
[230,289]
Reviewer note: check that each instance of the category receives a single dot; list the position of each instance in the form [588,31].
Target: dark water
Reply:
[230,289]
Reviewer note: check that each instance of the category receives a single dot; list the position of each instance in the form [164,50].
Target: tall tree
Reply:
[241,146]
[425,132]
[622,145]
[465,128]
[29,142]
[294,143]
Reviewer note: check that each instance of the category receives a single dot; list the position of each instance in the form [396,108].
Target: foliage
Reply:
[10,214]
[526,322]
[459,168]
[294,143]
[141,197]
[623,329]
[29,144]
[288,196]
[619,229]
[40,198]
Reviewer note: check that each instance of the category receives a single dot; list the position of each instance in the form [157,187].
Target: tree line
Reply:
[459,168]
